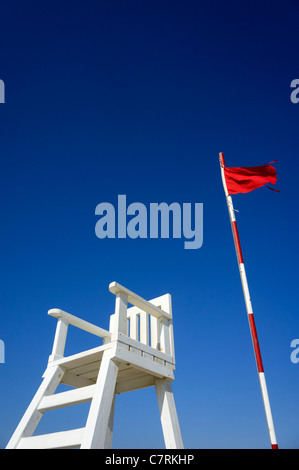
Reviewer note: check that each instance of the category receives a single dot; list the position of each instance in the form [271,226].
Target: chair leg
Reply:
[97,424]
[168,415]
[109,434]
[32,416]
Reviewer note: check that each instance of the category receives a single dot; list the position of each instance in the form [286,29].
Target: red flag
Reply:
[244,180]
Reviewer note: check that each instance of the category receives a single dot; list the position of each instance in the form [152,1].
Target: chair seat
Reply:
[139,364]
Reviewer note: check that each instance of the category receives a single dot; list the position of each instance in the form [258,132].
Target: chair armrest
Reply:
[79,323]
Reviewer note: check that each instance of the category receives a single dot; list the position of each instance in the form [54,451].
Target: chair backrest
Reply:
[148,322]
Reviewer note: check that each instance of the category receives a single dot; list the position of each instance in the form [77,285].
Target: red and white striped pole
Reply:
[253,332]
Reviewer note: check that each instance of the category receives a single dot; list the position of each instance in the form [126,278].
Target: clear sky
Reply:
[138,98]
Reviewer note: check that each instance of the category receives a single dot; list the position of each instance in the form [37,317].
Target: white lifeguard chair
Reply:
[137,352]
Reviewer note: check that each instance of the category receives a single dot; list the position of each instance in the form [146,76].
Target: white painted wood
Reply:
[125,354]
[144,348]
[161,330]
[144,327]
[109,432]
[68,398]
[59,340]
[100,408]
[168,415]
[138,301]
[32,416]
[76,381]
[127,373]
[165,336]
[79,323]
[134,326]
[171,341]
[85,357]
[120,316]
[57,440]
[164,302]
[155,333]
[167,306]
[139,324]
[135,384]
[113,325]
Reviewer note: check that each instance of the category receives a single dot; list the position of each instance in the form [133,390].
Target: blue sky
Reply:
[138,98]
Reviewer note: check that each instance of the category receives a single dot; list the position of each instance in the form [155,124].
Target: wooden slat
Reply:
[134,326]
[128,374]
[165,336]
[171,340]
[155,333]
[144,328]
[86,368]
[68,398]
[82,358]
[137,382]
[56,440]
[125,353]
[144,348]
[138,301]
[143,324]
[76,381]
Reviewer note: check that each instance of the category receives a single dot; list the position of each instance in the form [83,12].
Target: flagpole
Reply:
[250,316]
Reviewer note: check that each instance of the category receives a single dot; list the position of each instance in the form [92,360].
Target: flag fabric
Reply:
[246,179]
